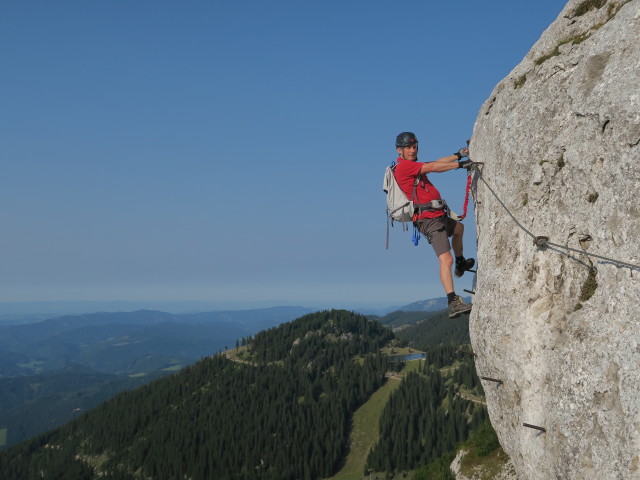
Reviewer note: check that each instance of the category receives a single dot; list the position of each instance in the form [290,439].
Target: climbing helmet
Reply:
[406,139]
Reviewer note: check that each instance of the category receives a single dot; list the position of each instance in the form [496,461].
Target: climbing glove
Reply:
[463,152]
[465,164]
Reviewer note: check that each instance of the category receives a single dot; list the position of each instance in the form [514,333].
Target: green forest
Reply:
[281,409]
[425,419]
[436,407]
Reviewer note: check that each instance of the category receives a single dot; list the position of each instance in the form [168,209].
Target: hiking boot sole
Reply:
[457,314]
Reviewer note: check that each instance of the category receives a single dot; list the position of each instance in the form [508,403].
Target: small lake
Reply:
[407,357]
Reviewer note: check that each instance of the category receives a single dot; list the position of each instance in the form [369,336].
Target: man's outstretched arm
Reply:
[444,164]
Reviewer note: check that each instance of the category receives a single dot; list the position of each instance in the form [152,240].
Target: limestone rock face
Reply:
[560,139]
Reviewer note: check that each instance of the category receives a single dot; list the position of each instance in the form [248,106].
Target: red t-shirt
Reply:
[405,173]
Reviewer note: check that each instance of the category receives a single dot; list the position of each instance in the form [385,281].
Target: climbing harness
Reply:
[438,204]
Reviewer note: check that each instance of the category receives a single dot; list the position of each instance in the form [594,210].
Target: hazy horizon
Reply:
[178,307]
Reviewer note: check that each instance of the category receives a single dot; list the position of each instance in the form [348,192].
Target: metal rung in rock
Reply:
[489,379]
[535,427]
[469,291]
[467,353]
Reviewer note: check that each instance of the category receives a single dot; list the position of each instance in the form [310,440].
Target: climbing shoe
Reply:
[457,307]
[463,266]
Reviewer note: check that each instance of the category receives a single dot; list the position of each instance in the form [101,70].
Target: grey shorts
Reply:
[438,230]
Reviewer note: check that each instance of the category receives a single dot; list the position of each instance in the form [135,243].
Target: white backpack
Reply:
[399,207]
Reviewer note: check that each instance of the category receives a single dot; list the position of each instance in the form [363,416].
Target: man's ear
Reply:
[399,149]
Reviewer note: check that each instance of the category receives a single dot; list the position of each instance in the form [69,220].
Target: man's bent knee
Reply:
[446,259]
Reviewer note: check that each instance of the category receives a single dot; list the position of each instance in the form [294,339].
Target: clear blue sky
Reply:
[234,150]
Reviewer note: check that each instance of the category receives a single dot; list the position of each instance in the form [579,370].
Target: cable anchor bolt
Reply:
[540,241]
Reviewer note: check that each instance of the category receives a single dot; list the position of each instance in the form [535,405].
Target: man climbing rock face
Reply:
[431,217]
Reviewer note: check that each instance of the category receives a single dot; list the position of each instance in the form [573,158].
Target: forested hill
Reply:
[282,412]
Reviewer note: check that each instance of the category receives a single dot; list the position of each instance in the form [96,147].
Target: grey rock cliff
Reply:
[560,138]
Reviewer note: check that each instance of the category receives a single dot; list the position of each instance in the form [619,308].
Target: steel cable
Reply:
[547,242]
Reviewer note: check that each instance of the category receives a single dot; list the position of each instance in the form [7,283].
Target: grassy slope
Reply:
[366,421]
[487,467]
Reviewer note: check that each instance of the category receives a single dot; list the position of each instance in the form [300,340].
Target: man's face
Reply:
[409,153]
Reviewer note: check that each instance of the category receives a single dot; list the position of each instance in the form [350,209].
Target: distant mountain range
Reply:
[52,370]
[129,342]
[15,313]
[430,305]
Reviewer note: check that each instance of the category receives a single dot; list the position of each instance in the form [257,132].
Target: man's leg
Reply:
[456,304]
[438,234]
[462,264]
[446,262]
[456,239]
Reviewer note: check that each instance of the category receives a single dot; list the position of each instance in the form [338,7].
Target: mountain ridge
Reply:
[319,347]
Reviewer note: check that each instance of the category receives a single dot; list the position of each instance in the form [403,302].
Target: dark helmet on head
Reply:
[405,139]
